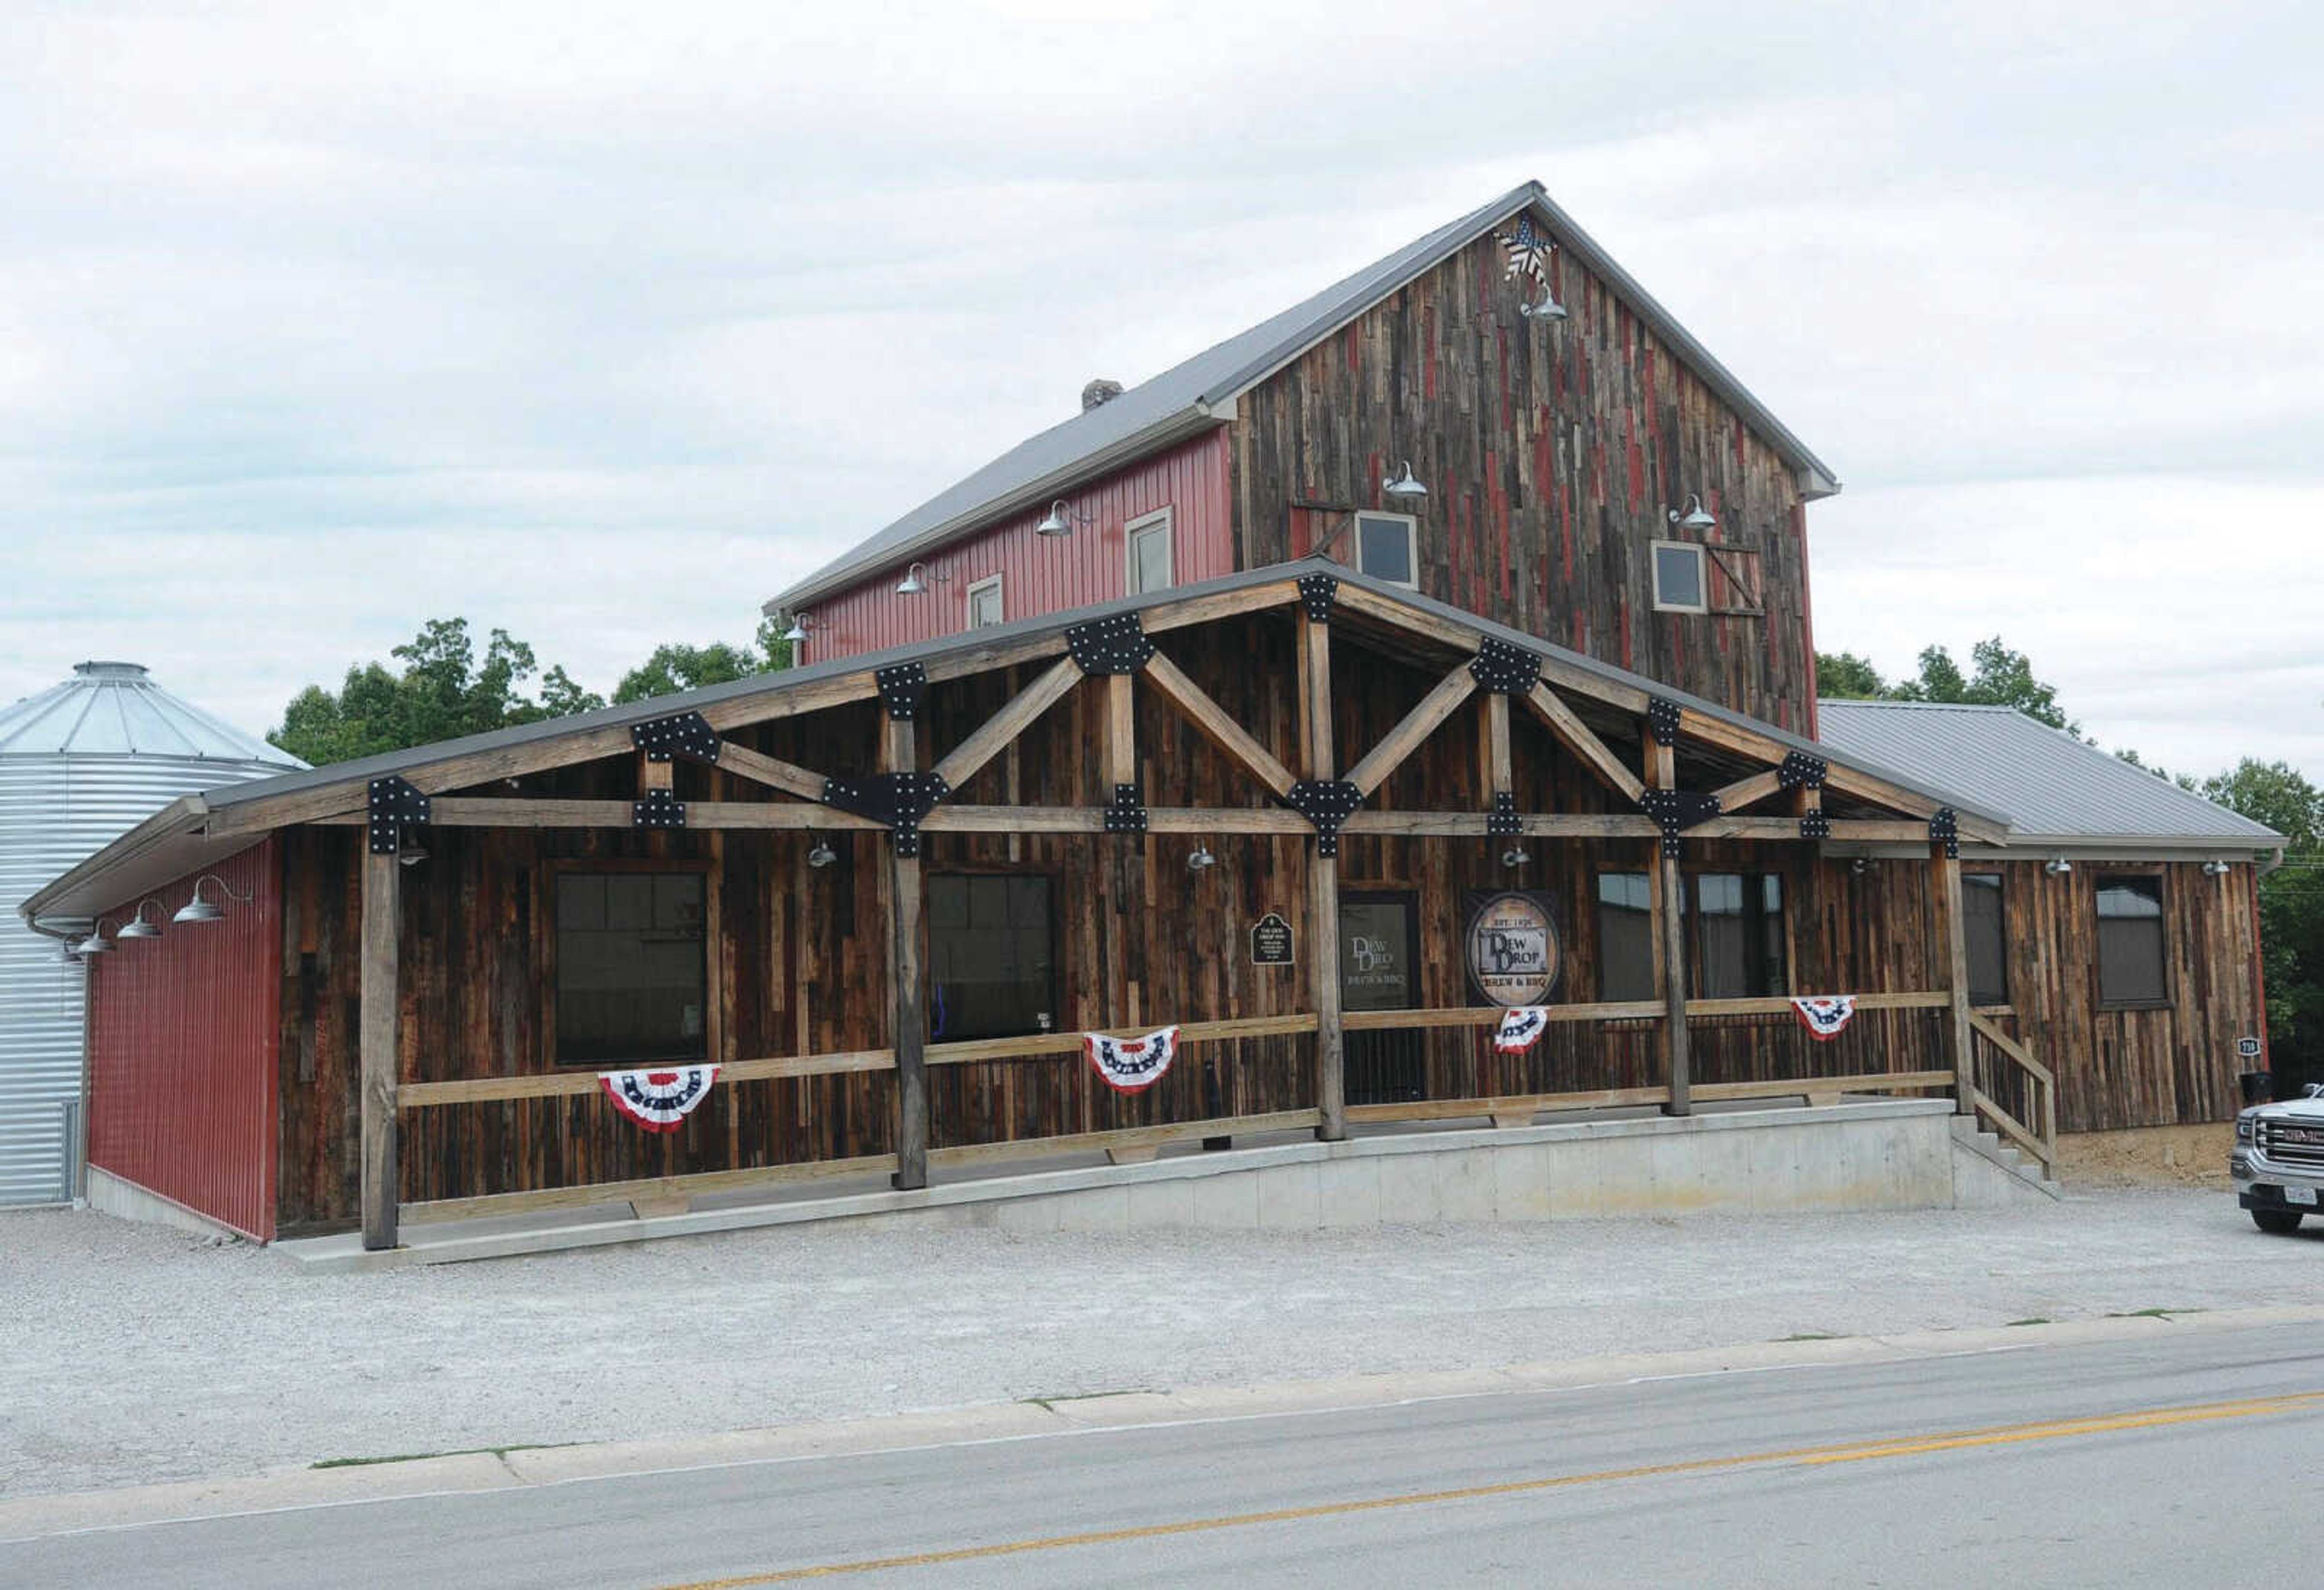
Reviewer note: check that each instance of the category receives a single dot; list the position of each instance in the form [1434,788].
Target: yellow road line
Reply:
[1858,1452]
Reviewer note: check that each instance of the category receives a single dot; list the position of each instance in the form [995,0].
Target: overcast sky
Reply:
[602,325]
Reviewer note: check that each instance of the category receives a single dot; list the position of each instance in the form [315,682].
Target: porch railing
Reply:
[1894,1045]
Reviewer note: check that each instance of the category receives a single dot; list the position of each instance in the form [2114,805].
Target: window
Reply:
[1387,547]
[988,957]
[632,980]
[1679,582]
[984,603]
[1149,552]
[1734,935]
[2130,941]
[1983,930]
[1626,936]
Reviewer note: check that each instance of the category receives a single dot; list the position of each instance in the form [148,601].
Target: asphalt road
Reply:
[2175,1460]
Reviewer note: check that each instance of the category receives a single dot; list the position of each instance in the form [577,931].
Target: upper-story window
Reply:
[1680,583]
[1387,547]
[1150,563]
[984,603]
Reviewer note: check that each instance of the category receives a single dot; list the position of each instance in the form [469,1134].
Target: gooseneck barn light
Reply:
[96,943]
[1514,856]
[2057,867]
[1403,489]
[798,630]
[1549,309]
[1202,860]
[198,910]
[1695,518]
[1060,519]
[2216,867]
[137,926]
[822,855]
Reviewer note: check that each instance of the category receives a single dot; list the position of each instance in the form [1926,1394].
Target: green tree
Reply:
[441,693]
[1846,676]
[2003,678]
[678,667]
[2291,907]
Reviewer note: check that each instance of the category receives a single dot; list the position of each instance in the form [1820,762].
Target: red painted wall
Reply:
[182,1032]
[1042,573]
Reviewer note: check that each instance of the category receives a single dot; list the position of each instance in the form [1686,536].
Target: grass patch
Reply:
[1809,1336]
[2036,1319]
[2153,1313]
[1049,1404]
[455,1452]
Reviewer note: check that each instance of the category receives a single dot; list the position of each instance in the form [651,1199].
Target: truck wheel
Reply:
[2276,1222]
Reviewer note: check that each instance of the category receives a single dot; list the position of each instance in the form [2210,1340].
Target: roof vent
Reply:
[110,670]
[1099,392]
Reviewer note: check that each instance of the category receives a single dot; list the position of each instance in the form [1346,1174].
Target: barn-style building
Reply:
[1438,648]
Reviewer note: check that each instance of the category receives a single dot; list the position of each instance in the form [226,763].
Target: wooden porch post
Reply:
[378,1046]
[910,1016]
[1322,890]
[1952,960]
[1670,890]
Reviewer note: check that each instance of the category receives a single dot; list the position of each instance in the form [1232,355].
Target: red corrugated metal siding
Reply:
[1041,574]
[181,1033]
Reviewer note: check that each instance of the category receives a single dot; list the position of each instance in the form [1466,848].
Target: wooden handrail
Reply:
[1490,1015]
[1781,1005]
[2007,1122]
[976,1153]
[2011,1048]
[566,1083]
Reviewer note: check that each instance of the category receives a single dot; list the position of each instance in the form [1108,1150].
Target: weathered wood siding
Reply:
[1550,453]
[800,959]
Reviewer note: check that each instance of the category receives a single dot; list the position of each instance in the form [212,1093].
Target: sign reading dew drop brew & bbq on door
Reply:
[1514,957]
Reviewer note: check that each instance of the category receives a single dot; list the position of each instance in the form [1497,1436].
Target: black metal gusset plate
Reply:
[683,734]
[1509,670]
[395,803]
[1800,770]
[1944,829]
[1662,718]
[1127,814]
[1117,645]
[1675,811]
[1326,803]
[658,808]
[896,801]
[1317,593]
[1503,822]
[1815,825]
[901,688]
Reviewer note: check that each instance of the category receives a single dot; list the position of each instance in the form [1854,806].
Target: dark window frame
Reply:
[1971,880]
[1771,929]
[554,872]
[1050,879]
[2158,880]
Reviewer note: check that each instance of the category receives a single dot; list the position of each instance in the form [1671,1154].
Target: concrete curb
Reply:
[282,1490]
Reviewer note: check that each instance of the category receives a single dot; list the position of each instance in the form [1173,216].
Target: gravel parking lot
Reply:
[137,1354]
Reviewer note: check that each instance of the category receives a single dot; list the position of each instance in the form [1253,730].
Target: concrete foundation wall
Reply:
[109,1194]
[1884,1154]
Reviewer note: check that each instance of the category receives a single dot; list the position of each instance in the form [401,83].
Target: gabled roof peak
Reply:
[1199,394]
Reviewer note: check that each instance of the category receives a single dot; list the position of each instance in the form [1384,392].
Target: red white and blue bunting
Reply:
[1131,1065]
[658,1099]
[1823,1017]
[1522,1026]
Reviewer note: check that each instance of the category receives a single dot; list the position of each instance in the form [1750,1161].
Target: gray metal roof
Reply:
[166,847]
[116,709]
[1195,395]
[2054,788]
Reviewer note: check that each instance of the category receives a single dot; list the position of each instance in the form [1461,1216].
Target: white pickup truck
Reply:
[2278,1162]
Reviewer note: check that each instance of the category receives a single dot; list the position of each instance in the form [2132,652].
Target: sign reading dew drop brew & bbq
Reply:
[1514,957]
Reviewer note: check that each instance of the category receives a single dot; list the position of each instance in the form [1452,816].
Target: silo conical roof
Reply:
[116,709]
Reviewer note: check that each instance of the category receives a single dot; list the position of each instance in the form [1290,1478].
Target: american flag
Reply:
[1529,250]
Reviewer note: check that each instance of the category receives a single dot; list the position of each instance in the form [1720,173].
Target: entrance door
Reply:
[1379,970]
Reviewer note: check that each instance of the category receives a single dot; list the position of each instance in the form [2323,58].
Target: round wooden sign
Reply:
[1514,955]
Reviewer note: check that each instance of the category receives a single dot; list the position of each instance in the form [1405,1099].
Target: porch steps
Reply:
[1989,1147]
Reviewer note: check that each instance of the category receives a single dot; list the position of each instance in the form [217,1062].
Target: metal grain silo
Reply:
[80,765]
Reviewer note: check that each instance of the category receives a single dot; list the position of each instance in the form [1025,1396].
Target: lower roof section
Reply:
[2056,791]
